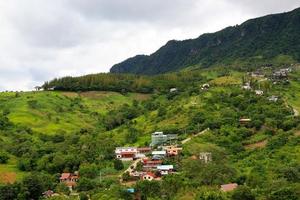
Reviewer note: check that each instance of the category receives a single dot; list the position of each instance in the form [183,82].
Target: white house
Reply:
[165,169]
[160,153]
[126,153]
[273,98]
[246,86]
[173,90]
[259,92]
[205,157]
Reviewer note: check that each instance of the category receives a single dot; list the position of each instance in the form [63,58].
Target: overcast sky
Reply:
[43,39]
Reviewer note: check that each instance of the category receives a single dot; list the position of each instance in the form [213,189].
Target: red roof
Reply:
[127,153]
[144,149]
[65,175]
[229,187]
[152,161]
[150,174]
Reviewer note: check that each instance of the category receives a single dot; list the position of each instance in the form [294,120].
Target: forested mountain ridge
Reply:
[260,40]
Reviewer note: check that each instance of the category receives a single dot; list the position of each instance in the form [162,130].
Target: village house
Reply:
[281,74]
[229,187]
[126,153]
[70,179]
[144,150]
[205,157]
[172,150]
[246,86]
[159,138]
[165,169]
[244,120]
[259,92]
[160,154]
[48,194]
[150,164]
[257,73]
[149,176]
[273,98]
[173,90]
[205,86]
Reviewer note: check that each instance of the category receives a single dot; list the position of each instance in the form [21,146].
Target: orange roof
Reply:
[229,187]
[150,174]
[65,175]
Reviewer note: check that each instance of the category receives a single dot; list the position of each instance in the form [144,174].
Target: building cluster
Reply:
[281,73]
[151,158]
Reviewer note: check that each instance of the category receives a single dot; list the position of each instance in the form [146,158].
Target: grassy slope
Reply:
[53,106]
[54,114]
[102,102]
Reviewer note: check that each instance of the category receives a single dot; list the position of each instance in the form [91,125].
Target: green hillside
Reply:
[45,133]
[272,39]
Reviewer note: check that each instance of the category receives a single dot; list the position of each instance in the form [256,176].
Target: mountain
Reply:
[269,39]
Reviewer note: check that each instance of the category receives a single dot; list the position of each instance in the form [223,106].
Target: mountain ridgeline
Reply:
[272,39]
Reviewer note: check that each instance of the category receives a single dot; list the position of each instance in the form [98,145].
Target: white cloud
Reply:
[40,40]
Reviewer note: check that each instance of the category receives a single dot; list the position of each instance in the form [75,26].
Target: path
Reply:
[189,138]
[132,166]
[259,144]
[296,112]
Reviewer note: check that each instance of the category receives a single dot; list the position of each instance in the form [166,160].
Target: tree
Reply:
[62,188]
[131,136]
[85,184]
[34,184]
[210,194]
[118,164]
[148,189]
[284,193]
[9,191]
[126,176]
[88,171]
[242,192]
[3,157]
[83,196]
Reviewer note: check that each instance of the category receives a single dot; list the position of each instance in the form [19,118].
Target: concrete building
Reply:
[159,138]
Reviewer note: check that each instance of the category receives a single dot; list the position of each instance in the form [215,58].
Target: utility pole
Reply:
[100,176]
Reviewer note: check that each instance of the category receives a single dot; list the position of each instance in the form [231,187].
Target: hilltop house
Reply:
[244,120]
[205,157]
[229,187]
[281,74]
[246,86]
[273,98]
[259,92]
[173,90]
[257,73]
[205,86]
[126,153]
[70,179]
[159,138]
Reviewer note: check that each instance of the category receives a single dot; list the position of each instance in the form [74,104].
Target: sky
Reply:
[44,39]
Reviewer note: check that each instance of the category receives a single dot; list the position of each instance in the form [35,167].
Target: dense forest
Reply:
[257,41]
[126,82]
